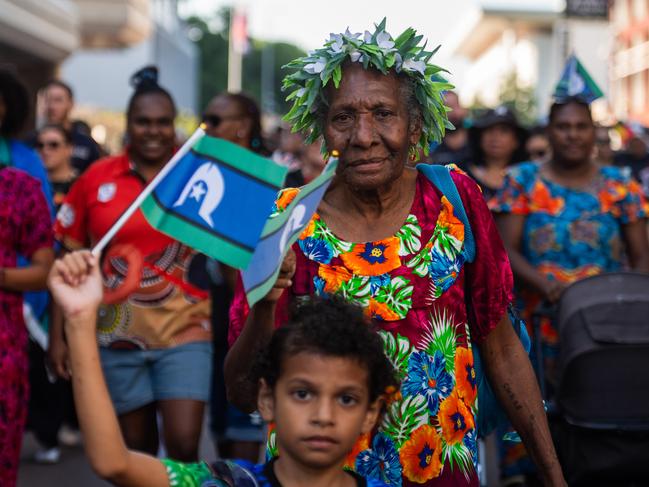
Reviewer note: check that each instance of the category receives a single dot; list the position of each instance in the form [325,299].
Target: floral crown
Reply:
[380,51]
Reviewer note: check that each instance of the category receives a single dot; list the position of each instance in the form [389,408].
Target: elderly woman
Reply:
[385,238]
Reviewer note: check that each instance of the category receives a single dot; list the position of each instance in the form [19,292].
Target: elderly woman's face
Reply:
[368,124]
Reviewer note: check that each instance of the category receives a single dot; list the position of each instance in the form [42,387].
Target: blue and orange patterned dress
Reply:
[430,307]
[569,234]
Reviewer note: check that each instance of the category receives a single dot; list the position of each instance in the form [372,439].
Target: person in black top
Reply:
[497,140]
[454,149]
[59,100]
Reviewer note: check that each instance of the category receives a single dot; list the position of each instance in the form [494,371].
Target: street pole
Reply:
[235,53]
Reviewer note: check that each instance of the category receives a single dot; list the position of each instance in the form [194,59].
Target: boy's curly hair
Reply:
[332,328]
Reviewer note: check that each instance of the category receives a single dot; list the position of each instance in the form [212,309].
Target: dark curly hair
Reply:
[145,82]
[571,100]
[16,100]
[332,328]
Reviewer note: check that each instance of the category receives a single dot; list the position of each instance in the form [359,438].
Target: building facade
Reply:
[630,60]
[100,74]
[528,39]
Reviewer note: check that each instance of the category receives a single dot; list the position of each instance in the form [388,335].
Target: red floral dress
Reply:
[25,227]
[430,306]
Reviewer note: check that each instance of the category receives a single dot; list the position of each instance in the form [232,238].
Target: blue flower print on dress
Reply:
[443,270]
[316,249]
[381,462]
[378,282]
[471,443]
[319,285]
[427,376]
[374,253]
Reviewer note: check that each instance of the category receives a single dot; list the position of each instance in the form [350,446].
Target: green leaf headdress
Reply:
[377,50]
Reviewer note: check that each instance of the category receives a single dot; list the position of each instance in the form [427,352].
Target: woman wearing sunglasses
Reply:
[54,145]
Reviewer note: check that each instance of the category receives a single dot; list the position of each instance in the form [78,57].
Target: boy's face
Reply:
[320,405]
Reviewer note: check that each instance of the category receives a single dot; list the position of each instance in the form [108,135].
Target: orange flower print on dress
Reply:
[455,418]
[373,258]
[541,200]
[612,193]
[449,221]
[362,443]
[465,377]
[310,228]
[333,277]
[381,311]
[421,455]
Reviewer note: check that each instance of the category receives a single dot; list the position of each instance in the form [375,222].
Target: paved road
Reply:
[73,469]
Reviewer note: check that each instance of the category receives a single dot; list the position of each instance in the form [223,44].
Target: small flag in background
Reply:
[576,82]
[216,200]
[280,233]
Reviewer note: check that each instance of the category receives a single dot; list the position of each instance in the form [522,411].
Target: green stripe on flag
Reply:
[589,81]
[206,242]
[242,160]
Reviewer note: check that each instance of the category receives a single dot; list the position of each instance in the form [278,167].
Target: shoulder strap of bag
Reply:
[440,176]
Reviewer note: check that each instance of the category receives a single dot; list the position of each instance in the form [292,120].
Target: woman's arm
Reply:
[30,278]
[514,383]
[76,285]
[637,244]
[511,230]
[256,333]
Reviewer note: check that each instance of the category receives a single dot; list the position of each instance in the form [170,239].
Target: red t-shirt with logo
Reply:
[170,304]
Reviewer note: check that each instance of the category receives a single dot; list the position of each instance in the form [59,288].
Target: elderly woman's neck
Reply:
[377,202]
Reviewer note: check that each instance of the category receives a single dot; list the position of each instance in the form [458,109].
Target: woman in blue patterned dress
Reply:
[565,220]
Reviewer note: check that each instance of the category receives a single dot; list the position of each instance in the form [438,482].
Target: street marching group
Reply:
[356,292]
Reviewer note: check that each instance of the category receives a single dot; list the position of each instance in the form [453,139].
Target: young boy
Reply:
[321,382]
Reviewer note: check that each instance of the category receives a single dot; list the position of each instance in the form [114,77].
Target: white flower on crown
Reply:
[412,65]
[384,41]
[354,36]
[355,56]
[336,43]
[316,67]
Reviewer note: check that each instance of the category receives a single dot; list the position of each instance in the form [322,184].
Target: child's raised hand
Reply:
[75,283]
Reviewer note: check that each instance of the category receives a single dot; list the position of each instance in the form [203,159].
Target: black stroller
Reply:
[601,425]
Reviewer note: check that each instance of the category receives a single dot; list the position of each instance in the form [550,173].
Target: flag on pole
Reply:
[216,199]
[280,232]
[576,82]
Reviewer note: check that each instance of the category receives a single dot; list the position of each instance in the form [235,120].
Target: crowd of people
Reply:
[358,368]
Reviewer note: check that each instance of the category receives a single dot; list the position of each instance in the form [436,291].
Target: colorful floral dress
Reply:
[412,285]
[568,235]
[25,227]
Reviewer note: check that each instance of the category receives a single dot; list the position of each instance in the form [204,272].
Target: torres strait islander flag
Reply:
[217,200]
[280,232]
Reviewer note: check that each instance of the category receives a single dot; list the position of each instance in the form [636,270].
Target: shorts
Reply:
[136,378]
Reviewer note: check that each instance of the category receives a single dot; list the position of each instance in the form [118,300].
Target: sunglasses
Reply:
[216,120]
[52,144]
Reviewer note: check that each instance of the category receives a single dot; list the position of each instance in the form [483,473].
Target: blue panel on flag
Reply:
[218,198]
[269,252]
